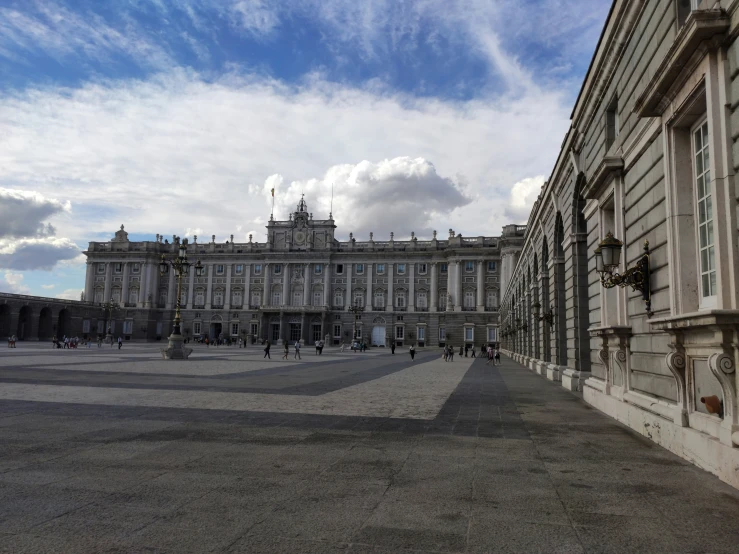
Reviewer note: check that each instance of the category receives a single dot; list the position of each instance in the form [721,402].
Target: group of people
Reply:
[12,339]
[286,349]
[492,353]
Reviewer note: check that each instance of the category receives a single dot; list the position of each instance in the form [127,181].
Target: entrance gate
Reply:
[378,332]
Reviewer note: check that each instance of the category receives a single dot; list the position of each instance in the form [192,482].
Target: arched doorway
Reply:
[378,331]
[24,323]
[45,330]
[63,326]
[216,327]
[4,321]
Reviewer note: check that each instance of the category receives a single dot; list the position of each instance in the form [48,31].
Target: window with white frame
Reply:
[101,327]
[135,268]
[218,297]
[239,269]
[196,325]
[318,269]
[133,296]
[469,299]
[234,329]
[401,269]
[491,299]
[380,268]
[442,334]
[422,299]
[297,298]
[469,334]
[199,297]
[98,296]
[399,332]
[115,295]
[400,299]
[707,261]
[101,268]
[256,298]
[278,269]
[118,268]
[442,299]
[220,269]
[359,333]
[236,298]
[183,298]
[337,331]
[379,299]
[339,299]
[443,267]
[317,298]
[492,334]
[422,269]
[257,269]
[469,266]
[492,266]
[360,269]
[128,327]
[276,298]
[86,326]
[421,333]
[358,298]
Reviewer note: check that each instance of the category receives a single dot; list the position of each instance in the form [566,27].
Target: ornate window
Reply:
[234,329]
[133,296]
[469,266]
[317,298]
[707,259]
[399,332]
[358,298]
[257,269]
[422,299]
[379,299]
[491,299]
[492,266]
[218,297]
[380,268]
[297,298]
[256,298]
[339,298]
[400,299]
[276,298]
[401,269]
[116,295]
[236,297]
[469,299]
[98,296]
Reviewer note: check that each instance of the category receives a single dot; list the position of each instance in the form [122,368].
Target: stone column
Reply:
[348,285]
[246,304]
[412,287]
[390,299]
[306,284]
[143,284]
[191,288]
[154,284]
[434,287]
[286,301]
[209,289]
[90,282]
[124,286]
[108,281]
[458,300]
[172,288]
[368,303]
[227,299]
[326,284]
[480,286]
[266,292]
[283,330]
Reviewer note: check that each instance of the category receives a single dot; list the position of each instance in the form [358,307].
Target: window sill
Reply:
[708,318]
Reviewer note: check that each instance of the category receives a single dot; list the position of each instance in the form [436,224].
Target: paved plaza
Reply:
[104,450]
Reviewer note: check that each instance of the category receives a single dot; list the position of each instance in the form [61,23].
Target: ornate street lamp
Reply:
[357,311]
[607,259]
[108,309]
[181,266]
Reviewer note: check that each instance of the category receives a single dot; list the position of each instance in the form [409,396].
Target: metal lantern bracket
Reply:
[636,277]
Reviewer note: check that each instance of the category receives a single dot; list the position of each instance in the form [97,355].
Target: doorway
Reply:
[378,335]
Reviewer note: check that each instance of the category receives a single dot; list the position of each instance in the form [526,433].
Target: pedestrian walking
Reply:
[461,350]
[497,356]
[317,348]
[413,352]
[445,353]
[466,350]
[320,347]
[451,354]
[266,350]
[490,355]
[392,347]
[473,351]
[120,342]
[297,351]
[286,351]
[343,346]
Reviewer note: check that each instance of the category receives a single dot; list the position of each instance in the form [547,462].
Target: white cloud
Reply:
[13,282]
[175,152]
[70,294]
[47,287]
[523,195]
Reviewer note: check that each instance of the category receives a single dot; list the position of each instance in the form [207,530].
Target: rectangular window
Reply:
[239,269]
[276,298]
[101,268]
[360,269]
[469,334]
[379,301]
[257,269]
[101,327]
[254,328]
[442,334]
[421,300]
[278,269]
[128,327]
[359,333]
[256,299]
[135,268]
[118,268]
[611,123]
[469,299]
[705,213]
[492,334]
[401,269]
[234,329]
[421,333]
[338,299]
[443,268]
[399,332]
[380,269]
[337,331]
[318,269]
[317,298]
[297,298]
[220,269]
[492,266]
[339,269]
[469,266]
[400,301]
[422,268]
[295,332]
[86,326]
[359,299]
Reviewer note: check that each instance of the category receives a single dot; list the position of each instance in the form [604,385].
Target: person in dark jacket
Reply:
[413,351]
[266,351]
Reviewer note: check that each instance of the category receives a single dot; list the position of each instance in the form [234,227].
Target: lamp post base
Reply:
[176,349]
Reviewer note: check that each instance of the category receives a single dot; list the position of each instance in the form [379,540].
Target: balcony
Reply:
[422,309]
[130,304]
[468,308]
[491,309]
[378,308]
[198,306]
[401,308]
[216,306]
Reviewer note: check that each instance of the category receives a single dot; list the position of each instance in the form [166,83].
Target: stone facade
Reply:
[38,318]
[650,156]
[299,284]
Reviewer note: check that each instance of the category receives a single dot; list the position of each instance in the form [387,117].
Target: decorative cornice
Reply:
[608,168]
[697,36]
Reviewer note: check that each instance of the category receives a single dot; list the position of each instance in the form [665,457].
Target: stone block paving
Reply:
[509,463]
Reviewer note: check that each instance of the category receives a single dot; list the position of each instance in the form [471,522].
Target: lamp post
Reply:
[607,260]
[181,266]
[108,308]
[356,310]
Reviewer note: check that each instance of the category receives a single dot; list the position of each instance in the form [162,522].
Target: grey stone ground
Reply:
[508,463]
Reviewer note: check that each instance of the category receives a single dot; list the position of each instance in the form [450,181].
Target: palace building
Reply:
[301,283]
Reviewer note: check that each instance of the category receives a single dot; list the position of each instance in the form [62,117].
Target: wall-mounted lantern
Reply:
[607,259]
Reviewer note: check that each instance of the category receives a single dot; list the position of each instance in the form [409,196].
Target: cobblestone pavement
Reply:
[117,451]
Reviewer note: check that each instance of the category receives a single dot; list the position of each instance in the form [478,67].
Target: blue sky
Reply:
[177,117]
